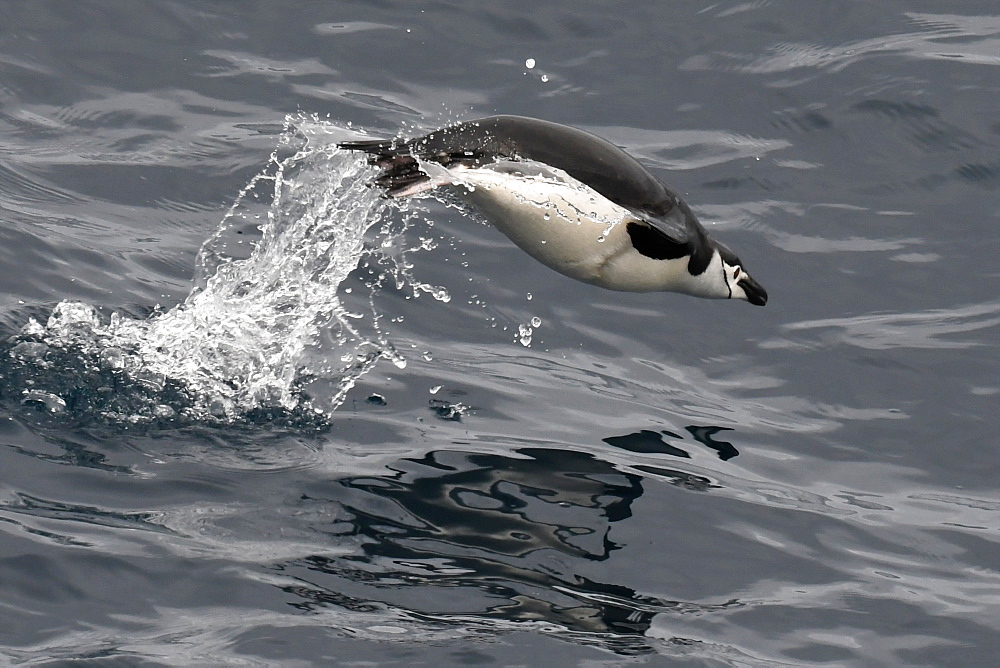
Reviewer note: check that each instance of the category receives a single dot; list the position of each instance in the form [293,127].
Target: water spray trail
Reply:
[265,319]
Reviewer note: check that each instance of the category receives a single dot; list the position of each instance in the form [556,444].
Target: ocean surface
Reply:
[251,413]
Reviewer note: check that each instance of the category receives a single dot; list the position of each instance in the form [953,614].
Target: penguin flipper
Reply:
[654,243]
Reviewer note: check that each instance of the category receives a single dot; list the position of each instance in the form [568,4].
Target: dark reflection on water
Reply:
[704,436]
[497,536]
[648,441]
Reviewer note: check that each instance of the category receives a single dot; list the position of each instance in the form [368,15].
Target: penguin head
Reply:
[736,283]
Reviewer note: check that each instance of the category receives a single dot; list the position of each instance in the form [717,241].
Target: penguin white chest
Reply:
[557,220]
[564,224]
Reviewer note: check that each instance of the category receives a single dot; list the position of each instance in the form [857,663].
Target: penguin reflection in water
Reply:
[571,200]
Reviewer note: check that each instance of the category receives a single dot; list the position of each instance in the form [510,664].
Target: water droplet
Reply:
[545,78]
[524,335]
[529,296]
[435,389]
[529,63]
[600,239]
[536,322]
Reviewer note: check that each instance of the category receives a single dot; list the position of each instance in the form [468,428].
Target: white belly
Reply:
[565,225]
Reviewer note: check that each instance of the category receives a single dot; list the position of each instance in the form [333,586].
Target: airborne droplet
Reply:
[524,335]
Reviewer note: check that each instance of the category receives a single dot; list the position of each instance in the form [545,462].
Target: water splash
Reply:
[268,333]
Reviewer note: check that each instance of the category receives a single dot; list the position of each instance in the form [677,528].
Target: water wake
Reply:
[268,333]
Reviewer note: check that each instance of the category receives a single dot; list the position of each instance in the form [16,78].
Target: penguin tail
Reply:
[376,147]
[402,173]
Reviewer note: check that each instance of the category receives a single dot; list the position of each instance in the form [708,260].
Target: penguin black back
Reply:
[586,157]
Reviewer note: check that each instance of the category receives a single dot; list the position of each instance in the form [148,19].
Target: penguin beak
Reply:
[756,294]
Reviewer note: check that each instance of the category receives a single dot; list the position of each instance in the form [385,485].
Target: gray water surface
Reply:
[644,478]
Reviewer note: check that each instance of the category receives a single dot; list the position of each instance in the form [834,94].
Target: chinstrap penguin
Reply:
[571,200]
